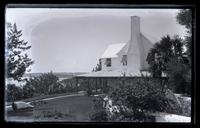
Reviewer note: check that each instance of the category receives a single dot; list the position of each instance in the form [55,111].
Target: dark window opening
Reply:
[108,62]
[124,60]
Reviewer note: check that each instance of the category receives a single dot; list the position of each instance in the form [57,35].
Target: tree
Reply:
[28,91]
[168,56]
[179,75]
[13,93]
[184,18]
[179,68]
[160,54]
[17,60]
[45,84]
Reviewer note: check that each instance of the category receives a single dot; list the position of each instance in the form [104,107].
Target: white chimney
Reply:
[135,48]
[134,45]
[135,27]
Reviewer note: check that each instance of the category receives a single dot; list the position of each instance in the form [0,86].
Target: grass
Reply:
[73,109]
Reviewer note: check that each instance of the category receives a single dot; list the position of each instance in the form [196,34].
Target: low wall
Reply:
[107,82]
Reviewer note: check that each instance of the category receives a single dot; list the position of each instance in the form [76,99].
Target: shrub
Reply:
[179,74]
[13,93]
[69,85]
[137,102]
[44,84]
[99,114]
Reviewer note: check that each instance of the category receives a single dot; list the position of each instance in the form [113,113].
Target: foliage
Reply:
[28,91]
[161,53]
[99,113]
[184,18]
[13,93]
[168,57]
[44,84]
[179,76]
[136,102]
[69,85]
[17,60]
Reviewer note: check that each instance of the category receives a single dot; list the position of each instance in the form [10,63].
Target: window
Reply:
[124,60]
[108,62]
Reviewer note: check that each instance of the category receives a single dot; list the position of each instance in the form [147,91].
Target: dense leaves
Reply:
[45,84]
[179,75]
[161,53]
[137,102]
[145,96]
[184,18]
[172,56]
[99,113]
[17,60]
[13,93]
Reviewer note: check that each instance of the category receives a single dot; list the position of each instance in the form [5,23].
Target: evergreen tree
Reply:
[17,60]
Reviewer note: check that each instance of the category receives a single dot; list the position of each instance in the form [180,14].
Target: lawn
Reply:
[76,108]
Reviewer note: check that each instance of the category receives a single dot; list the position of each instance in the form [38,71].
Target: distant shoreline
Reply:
[58,74]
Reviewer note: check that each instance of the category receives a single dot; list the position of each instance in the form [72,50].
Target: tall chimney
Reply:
[135,27]
[135,49]
[135,35]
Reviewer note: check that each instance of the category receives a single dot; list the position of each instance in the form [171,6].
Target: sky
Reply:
[72,40]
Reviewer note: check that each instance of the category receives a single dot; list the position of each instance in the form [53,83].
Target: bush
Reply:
[99,113]
[28,91]
[136,102]
[13,93]
[45,84]
[179,74]
[69,85]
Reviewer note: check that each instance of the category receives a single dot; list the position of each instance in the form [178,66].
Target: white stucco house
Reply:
[126,58]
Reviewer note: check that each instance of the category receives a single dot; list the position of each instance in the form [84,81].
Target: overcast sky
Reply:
[72,40]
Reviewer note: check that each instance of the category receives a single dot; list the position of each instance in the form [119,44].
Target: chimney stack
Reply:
[135,27]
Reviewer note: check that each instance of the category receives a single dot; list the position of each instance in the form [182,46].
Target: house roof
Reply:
[151,38]
[112,50]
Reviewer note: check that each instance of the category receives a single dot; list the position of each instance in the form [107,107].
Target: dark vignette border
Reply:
[111,5]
